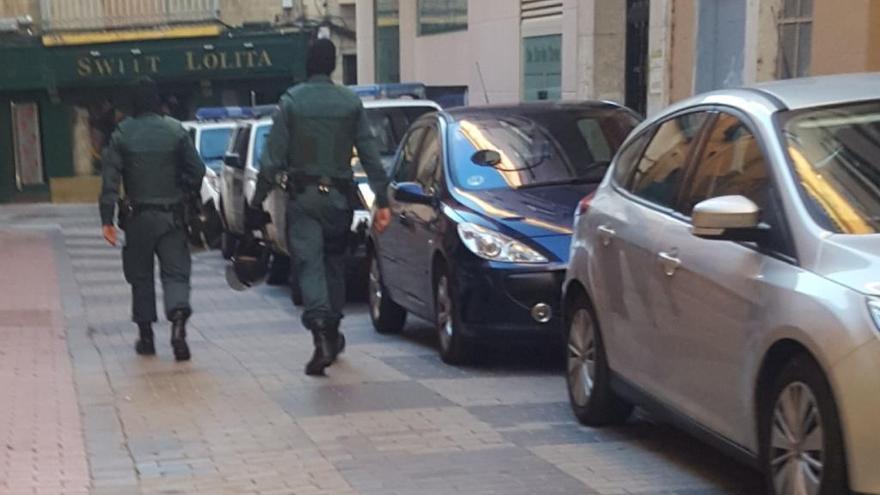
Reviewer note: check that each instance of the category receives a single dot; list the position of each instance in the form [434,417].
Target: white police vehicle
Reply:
[390,119]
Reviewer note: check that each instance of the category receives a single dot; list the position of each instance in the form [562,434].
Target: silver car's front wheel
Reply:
[581,357]
[796,442]
[588,376]
[802,442]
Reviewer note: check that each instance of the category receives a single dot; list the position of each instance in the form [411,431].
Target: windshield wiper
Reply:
[563,182]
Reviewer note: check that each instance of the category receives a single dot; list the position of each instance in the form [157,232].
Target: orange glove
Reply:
[109,234]
[381,219]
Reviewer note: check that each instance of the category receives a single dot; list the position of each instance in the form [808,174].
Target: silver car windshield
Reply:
[835,153]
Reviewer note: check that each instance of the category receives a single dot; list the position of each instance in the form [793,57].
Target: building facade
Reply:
[68,61]
[643,53]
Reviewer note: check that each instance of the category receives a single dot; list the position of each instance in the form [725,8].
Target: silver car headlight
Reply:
[874,308]
[494,246]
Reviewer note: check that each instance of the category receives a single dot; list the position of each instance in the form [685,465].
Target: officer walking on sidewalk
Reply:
[158,165]
[316,127]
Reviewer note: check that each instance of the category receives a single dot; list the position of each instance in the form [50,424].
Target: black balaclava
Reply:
[144,96]
[321,58]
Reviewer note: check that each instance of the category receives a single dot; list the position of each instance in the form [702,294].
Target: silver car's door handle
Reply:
[606,233]
[670,262]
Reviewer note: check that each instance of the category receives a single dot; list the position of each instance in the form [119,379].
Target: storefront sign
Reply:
[90,66]
[280,55]
[29,65]
[542,67]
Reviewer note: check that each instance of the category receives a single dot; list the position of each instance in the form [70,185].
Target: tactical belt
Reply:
[300,181]
[141,207]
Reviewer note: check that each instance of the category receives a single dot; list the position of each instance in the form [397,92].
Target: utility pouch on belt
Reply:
[124,211]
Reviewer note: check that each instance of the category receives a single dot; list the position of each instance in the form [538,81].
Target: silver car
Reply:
[726,274]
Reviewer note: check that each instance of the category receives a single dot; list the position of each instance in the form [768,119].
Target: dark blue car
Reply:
[482,204]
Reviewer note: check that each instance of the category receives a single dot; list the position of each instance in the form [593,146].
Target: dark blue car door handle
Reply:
[405,220]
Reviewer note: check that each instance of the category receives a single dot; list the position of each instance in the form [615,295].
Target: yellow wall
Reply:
[874,36]
[683,59]
[15,8]
[845,39]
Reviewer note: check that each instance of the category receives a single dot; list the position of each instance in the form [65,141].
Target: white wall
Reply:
[450,59]
[659,48]
[495,42]
[596,68]
[366,33]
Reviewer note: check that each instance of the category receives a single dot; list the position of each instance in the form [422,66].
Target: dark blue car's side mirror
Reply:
[232,160]
[412,192]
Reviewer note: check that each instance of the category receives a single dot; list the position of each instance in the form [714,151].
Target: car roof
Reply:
[788,94]
[460,113]
[197,124]
[796,94]
[400,102]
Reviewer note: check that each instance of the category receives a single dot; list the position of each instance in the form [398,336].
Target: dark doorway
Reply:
[637,21]
[349,69]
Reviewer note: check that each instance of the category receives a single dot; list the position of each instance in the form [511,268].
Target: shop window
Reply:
[795,25]
[387,41]
[542,67]
[442,16]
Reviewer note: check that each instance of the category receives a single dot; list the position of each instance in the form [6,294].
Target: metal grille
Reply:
[69,15]
[539,9]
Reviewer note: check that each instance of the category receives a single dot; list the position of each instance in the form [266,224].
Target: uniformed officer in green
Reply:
[158,165]
[316,127]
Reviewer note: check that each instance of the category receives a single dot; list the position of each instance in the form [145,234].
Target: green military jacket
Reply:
[314,131]
[156,161]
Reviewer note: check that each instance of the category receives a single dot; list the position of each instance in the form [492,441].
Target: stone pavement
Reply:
[241,418]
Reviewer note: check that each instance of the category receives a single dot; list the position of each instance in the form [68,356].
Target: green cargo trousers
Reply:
[318,226]
[148,234]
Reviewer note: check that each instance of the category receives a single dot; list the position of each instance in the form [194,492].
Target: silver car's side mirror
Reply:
[732,218]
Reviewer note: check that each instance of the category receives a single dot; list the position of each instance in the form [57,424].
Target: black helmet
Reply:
[250,264]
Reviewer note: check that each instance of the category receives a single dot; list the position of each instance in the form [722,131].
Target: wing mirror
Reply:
[486,158]
[729,218]
[232,160]
[412,192]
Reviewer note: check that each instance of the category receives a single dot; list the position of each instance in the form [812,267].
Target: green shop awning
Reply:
[230,56]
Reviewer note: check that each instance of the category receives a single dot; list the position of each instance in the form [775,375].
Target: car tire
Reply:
[279,271]
[215,228]
[357,283]
[801,437]
[588,377]
[454,348]
[228,243]
[388,317]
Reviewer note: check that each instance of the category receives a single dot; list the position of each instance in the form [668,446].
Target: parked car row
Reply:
[722,273]
[715,264]
[725,273]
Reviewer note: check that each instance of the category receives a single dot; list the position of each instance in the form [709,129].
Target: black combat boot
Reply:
[329,343]
[145,345]
[334,335]
[178,336]
[316,365]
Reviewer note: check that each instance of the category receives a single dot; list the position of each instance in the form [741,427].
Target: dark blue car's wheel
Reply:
[454,347]
[228,243]
[387,315]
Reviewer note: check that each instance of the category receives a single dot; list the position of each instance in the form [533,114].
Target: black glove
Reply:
[255,218]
